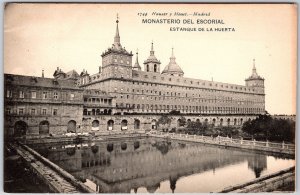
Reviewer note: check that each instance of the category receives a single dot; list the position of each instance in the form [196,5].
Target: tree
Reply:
[266,127]
[181,121]
[163,120]
[175,112]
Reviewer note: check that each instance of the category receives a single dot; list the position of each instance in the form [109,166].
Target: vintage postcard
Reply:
[149,98]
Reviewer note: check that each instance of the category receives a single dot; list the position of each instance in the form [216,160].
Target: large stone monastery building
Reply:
[122,96]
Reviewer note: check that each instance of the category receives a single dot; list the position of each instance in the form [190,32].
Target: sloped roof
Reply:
[39,81]
[72,74]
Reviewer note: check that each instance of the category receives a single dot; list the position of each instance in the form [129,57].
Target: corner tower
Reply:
[116,61]
[255,81]
[152,64]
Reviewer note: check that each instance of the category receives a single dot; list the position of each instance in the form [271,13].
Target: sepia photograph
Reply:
[149,98]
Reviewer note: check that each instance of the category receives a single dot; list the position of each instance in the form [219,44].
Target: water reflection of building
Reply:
[257,163]
[123,170]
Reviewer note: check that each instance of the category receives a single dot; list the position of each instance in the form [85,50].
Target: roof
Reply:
[72,74]
[137,65]
[58,71]
[172,67]
[116,46]
[152,57]
[39,81]
[254,75]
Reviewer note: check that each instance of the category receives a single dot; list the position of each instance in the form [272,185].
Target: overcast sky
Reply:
[73,36]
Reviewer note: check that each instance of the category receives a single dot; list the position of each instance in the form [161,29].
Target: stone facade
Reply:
[121,96]
[37,105]
[150,91]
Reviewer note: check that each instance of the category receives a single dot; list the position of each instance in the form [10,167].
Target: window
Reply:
[7,111]
[44,95]
[147,68]
[32,112]
[72,96]
[8,93]
[33,94]
[21,95]
[44,111]
[55,112]
[21,111]
[55,95]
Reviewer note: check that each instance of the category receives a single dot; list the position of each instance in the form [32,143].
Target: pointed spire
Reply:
[172,58]
[152,46]
[43,73]
[152,50]
[137,65]
[254,68]
[137,57]
[254,73]
[172,51]
[117,36]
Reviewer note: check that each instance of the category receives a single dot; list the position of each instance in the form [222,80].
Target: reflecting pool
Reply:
[157,165]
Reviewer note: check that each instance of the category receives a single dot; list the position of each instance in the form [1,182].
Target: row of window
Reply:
[179,95]
[199,83]
[194,108]
[45,95]
[206,100]
[98,100]
[177,88]
[32,111]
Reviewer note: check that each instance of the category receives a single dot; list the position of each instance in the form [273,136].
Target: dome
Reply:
[172,67]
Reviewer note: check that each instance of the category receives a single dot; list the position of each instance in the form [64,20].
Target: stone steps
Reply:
[51,178]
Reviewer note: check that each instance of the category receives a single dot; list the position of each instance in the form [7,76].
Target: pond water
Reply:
[156,165]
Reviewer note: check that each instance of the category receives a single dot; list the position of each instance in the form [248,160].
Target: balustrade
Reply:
[229,140]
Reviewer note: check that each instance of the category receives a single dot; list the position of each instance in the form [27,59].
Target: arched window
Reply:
[71,126]
[147,67]
[95,125]
[44,128]
[228,122]
[153,124]
[155,68]
[221,122]
[20,128]
[136,124]
[110,125]
[124,125]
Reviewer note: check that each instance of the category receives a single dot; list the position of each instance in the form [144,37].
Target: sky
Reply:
[73,36]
